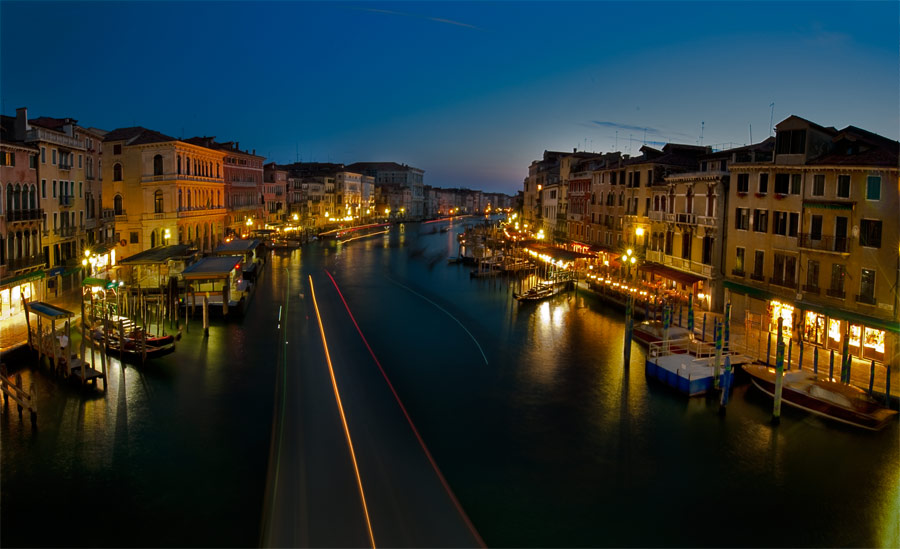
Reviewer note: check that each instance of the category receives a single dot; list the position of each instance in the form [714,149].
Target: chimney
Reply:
[21,123]
[237,145]
[69,127]
[574,150]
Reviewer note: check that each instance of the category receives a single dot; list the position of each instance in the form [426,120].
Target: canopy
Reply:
[670,273]
[47,310]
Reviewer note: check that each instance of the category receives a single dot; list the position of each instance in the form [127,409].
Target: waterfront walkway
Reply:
[14,330]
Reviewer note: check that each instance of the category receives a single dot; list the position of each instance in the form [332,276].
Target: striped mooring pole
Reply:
[779,374]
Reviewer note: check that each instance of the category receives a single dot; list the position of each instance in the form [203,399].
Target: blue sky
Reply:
[471,92]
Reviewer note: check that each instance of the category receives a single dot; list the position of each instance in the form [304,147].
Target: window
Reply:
[815,227]
[763,183]
[812,275]
[134,237]
[867,286]
[54,157]
[158,165]
[739,260]
[873,187]
[790,142]
[761,221]
[117,172]
[32,161]
[54,188]
[818,185]
[686,241]
[43,155]
[795,183]
[759,262]
[55,221]
[707,250]
[843,186]
[8,159]
[79,160]
[782,183]
[838,272]
[742,219]
[870,233]
[80,183]
[784,269]
[43,188]
[637,179]
[117,149]
[793,224]
[743,182]
[779,223]
[117,205]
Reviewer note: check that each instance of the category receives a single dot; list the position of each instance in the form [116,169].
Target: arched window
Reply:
[17,197]
[178,163]
[157,165]
[117,172]
[117,205]
[217,169]
[9,197]
[158,201]
[179,199]
[153,239]
[33,200]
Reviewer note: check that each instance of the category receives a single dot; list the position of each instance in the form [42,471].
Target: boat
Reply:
[536,293]
[689,365]
[132,345]
[651,331]
[445,229]
[830,399]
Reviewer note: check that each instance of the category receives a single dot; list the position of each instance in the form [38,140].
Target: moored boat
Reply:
[133,343]
[651,331]
[830,399]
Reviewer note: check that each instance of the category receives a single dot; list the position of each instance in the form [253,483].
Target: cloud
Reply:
[418,16]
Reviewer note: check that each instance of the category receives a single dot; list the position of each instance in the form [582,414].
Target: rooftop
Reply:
[213,267]
[237,245]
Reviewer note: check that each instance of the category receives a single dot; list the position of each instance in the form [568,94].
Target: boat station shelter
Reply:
[246,248]
[153,268]
[216,277]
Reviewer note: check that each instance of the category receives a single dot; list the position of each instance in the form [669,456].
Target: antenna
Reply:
[617,139]
[751,132]
[771,117]
[702,123]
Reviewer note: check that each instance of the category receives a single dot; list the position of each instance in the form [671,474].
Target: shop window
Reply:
[834,333]
[786,313]
[855,336]
[814,328]
[873,344]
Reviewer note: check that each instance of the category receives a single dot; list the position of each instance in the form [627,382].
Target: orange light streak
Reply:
[337,398]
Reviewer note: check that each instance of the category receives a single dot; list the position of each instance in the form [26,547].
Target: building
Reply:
[276,196]
[21,222]
[243,177]
[814,238]
[163,191]
[401,175]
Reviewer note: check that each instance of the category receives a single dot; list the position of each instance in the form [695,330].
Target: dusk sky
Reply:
[469,92]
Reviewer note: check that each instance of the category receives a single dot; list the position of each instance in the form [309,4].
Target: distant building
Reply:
[243,178]
[275,194]
[163,190]
[401,175]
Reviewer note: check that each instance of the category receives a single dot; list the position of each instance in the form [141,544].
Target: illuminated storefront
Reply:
[13,291]
[778,310]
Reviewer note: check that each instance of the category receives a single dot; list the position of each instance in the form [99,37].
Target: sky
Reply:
[470,92]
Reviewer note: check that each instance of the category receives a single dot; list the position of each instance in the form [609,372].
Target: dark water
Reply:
[544,436]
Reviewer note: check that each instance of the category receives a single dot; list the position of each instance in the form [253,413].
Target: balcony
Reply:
[180,177]
[24,262]
[823,243]
[738,272]
[108,213]
[836,293]
[759,277]
[24,215]
[783,283]
[197,212]
[706,221]
[67,201]
[64,167]
[686,218]
[811,289]
[48,136]
[66,232]
[89,177]
[867,299]
[157,216]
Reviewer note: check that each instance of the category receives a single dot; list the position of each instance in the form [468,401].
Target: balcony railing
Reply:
[758,277]
[24,262]
[25,215]
[43,134]
[811,289]
[706,221]
[108,213]
[738,272]
[66,232]
[783,283]
[686,218]
[657,215]
[64,167]
[867,299]
[67,201]
[832,292]
[824,243]
[179,177]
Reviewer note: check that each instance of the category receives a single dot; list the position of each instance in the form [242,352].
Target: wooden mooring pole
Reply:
[779,374]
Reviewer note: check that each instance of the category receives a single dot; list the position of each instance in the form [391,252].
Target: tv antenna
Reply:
[702,123]
[771,117]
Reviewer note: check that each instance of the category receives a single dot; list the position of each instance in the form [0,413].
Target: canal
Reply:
[545,438]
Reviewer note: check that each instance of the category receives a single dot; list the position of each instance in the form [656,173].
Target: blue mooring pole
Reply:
[726,385]
[815,360]
[790,352]
[727,324]
[779,374]
[718,355]
[831,366]
[704,327]
[800,362]
[680,307]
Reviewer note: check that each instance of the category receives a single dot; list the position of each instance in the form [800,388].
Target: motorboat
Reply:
[830,399]
[537,293]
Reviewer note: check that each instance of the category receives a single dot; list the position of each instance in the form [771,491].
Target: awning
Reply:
[22,278]
[670,273]
[828,205]
[47,310]
[102,282]
[751,291]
